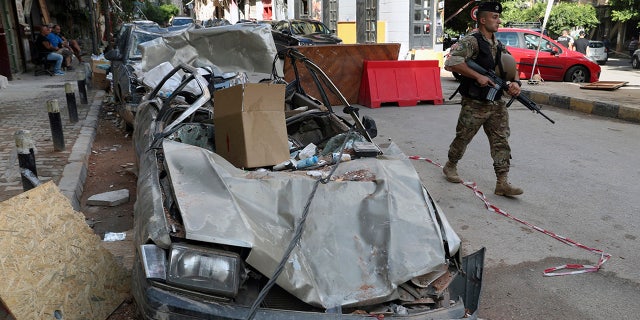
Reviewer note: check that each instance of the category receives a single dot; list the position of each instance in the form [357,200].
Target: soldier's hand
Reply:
[514,89]
[484,81]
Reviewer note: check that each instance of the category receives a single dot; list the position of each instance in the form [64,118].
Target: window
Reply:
[531,42]
[508,38]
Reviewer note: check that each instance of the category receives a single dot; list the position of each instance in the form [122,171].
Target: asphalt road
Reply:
[580,178]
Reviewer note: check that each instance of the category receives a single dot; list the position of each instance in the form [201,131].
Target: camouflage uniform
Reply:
[491,115]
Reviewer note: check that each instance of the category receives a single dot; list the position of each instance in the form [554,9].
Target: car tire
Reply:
[577,74]
[635,63]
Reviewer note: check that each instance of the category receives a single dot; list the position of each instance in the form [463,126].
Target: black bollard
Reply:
[56,125]
[82,86]
[26,157]
[71,102]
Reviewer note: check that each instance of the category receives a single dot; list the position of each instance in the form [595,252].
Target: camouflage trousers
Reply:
[493,117]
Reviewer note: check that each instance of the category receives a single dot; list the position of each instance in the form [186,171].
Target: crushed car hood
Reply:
[234,48]
[370,229]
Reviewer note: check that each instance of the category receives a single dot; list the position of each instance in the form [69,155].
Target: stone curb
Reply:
[74,173]
[604,109]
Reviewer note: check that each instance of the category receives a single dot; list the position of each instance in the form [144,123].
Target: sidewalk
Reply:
[23,107]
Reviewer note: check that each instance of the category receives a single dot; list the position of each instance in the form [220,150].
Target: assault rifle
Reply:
[504,85]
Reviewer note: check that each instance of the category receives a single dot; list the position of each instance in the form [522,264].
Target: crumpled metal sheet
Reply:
[361,239]
[149,219]
[235,48]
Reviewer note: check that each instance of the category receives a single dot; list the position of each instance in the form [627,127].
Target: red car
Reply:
[555,61]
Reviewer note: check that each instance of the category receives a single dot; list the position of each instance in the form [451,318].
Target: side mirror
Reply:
[286,31]
[113,55]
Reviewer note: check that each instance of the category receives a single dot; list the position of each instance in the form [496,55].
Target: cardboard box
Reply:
[250,126]
[99,81]
[96,63]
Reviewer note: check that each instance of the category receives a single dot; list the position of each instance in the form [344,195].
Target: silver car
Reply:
[635,60]
[598,52]
[347,240]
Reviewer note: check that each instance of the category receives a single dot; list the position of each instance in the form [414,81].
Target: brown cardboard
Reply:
[99,81]
[96,63]
[250,125]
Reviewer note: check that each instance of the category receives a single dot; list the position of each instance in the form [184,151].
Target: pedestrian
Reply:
[607,44]
[633,45]
[71,44]
[581,44]
[45,48]
[565,39]
[63,48]
[476,111]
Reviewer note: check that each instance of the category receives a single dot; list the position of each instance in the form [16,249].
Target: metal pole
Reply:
[26,156]
[92,22]
[71,102]
[56,124]
[82,86]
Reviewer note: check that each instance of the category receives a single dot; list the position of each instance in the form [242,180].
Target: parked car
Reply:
[180,21]
[213,241]
[635,59]
[125,58]
[215,22]
[555,61]
[598,52]
[302,32]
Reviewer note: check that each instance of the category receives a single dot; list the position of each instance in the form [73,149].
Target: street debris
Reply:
[114,236]
[604,85]
[109,199]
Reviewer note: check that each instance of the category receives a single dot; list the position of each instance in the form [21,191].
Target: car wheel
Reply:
[635,63]
[577,74]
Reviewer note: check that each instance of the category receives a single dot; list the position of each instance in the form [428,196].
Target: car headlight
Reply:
[204,270]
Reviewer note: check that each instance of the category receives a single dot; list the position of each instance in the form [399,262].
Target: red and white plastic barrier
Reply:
[549,272]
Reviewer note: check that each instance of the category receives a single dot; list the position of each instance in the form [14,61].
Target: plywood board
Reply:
[343,64]
[604,85]
[52,262]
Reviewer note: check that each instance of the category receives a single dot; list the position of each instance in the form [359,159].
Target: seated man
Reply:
[45,48]
[63,48]
[70,43]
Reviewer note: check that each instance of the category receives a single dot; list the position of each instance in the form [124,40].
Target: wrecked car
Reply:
[125,60]
[350,237]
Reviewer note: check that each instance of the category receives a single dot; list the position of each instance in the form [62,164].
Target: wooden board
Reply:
[604,85]
[343,64]
[52,262]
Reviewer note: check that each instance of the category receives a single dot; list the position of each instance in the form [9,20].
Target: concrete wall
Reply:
[396,14]
[347,10]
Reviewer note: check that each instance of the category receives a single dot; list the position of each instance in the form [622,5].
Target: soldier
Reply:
[477,111]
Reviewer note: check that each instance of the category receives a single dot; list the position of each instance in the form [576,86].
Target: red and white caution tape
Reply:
[549,272]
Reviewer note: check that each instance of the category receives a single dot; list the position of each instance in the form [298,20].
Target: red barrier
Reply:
[406,82]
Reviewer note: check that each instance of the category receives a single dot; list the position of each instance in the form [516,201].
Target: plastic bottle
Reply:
[308,151]
[308,162]
[288,164]
[336,157]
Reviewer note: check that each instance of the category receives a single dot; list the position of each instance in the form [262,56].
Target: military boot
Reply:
[451,172]
[504,188]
